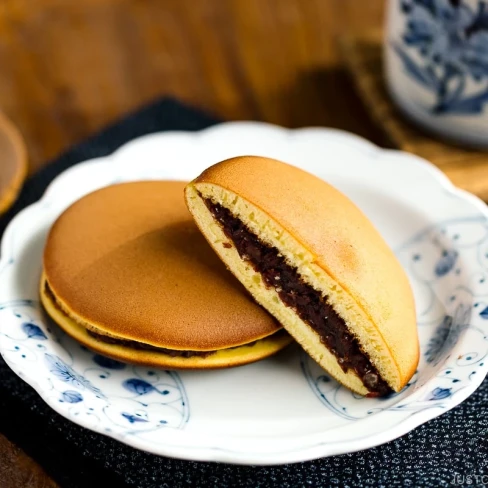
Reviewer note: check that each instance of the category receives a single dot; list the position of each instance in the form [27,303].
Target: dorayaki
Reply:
[128,274]
[311,257]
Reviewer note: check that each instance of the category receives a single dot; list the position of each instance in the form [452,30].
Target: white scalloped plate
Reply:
[283,409]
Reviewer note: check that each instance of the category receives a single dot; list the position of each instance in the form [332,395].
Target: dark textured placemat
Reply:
[430,456]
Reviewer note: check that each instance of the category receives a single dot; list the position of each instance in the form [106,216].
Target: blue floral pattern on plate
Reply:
[444,48]
[451,310]
[268,412]
[138,399]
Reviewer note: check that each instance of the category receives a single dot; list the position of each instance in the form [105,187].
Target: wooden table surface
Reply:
[69,68]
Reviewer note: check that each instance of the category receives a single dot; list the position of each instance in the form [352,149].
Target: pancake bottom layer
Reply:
[143,354]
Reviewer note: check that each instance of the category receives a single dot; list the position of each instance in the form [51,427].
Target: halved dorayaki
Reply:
[128,274]
[310,257]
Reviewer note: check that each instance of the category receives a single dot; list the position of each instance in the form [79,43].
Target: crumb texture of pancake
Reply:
[129,262]
[332,246]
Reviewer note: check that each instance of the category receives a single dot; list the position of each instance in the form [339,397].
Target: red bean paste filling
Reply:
[169,352]
[301,297]
[148,347]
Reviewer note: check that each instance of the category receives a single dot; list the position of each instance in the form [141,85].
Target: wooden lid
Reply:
[13,163]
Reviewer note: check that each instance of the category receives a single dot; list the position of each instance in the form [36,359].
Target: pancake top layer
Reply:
[129,260]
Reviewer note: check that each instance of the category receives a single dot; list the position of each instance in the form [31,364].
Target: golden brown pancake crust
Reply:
[129,260]
[223,358]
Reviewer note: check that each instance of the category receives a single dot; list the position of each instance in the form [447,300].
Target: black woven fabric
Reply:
[448,451]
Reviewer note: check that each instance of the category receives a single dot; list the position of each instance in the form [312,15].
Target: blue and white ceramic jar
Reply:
[436,65]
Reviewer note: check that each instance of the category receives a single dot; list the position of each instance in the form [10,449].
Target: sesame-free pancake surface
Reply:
[127,262]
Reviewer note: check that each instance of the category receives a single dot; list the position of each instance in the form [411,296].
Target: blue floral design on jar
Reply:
[444,47]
